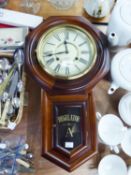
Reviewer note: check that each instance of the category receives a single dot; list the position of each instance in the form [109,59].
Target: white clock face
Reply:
[66,52]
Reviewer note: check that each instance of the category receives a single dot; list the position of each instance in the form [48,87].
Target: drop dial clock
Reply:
[67,56]
[66,52]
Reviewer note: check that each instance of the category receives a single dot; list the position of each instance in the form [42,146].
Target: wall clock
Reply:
[67,56]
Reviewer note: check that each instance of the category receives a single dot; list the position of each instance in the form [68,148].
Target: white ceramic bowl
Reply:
[124,108]
[112,165]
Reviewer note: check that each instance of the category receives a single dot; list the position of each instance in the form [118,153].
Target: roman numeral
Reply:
[50,43]
[57,37]
[50,61]
[57,68]
[76,36]
[82,43]
[84,52]
[83,61]
[47,54]
[66,35]
[67,71]
[77,68]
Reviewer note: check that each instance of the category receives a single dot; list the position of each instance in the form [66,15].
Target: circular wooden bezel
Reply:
[48,82]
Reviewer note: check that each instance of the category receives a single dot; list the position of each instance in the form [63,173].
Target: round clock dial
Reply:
[66,51]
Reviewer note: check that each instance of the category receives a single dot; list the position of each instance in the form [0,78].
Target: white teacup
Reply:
[126,143]
[124,108]
[112,165]
[111,130]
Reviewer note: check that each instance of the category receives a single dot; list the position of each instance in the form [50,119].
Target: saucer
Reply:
[126,143]
[124,108]
[112,165]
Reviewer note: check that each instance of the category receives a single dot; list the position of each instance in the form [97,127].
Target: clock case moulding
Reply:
[61,94]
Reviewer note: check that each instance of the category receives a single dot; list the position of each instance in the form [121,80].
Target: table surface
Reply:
[30,126]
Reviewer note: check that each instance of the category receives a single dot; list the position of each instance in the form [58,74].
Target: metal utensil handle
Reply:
[6,108]
[22,162]
[6,82]
[6,54]
[0,109]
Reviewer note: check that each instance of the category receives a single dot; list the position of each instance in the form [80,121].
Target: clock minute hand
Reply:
[57,53]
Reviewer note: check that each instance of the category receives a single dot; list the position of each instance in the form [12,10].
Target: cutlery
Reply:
[4,64]
[19,59]
[5,83]
[11,92]
[6,53]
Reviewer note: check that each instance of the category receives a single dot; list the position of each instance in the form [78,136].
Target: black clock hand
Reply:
[66,48]
[51,54]
[58,53]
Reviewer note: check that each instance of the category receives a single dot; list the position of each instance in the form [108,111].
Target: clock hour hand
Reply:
[66,48]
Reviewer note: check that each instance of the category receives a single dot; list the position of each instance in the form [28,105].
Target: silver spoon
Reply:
[19,59]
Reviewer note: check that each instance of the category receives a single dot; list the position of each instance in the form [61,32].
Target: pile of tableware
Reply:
[113,131]
[11,86]
[15,157]
[11,76]
[120,73]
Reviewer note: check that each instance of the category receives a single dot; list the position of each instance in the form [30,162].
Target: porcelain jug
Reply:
[119,27]
[121,71]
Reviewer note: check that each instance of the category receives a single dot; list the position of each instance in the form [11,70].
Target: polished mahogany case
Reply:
[69,134]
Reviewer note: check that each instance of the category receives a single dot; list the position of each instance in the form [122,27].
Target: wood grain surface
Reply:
[30,126]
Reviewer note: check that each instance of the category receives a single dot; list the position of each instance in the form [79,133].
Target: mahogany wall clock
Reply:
[67,56]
